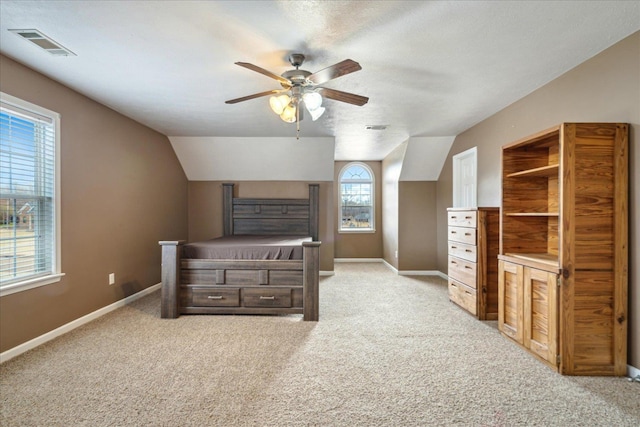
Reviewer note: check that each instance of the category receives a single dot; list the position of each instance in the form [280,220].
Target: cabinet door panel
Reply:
[510,309]
[541,313]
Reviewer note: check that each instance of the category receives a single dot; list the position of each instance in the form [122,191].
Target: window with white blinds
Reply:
[29,244]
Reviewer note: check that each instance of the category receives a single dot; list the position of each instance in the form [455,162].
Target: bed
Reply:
[267,261]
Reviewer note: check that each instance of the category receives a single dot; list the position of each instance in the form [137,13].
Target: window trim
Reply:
[56,275]
[371,229]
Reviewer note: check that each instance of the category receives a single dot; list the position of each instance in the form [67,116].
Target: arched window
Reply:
[357,189]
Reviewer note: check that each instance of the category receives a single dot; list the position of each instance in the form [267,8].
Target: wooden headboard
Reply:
[295,217]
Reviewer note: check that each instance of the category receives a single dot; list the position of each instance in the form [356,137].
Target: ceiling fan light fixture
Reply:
[279,103]
[289,113]
[313,104]
[312,100]
[315,114]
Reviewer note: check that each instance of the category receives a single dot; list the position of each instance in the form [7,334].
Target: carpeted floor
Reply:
[388,351]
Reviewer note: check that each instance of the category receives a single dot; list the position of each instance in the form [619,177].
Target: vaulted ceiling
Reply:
[429,68]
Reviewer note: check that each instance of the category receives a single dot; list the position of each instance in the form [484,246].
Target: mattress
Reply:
[247,247]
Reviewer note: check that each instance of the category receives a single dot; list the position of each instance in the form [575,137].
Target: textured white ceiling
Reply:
[430,68]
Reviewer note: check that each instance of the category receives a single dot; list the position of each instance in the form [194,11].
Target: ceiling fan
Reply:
[302,87]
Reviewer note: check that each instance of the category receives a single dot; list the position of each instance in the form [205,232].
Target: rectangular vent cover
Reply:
[43,42]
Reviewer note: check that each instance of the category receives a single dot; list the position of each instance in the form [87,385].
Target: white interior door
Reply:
[465,184]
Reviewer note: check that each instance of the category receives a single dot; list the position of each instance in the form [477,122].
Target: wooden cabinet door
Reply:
[510,297]
[541,313]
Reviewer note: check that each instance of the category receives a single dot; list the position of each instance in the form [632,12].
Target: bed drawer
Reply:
[463,295]
[463,235]
[464,251]
[462,218]
[266,297]
[212,297]
[463,271]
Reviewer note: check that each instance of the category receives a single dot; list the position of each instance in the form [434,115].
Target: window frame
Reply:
[12,103]
[372,228]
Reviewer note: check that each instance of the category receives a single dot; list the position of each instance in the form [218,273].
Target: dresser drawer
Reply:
[266,297]
[464,296]
[462,218]
[464,251]
[463,271]
[211,297]
[462,234]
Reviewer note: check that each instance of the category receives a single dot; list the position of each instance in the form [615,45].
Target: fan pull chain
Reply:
[298,121]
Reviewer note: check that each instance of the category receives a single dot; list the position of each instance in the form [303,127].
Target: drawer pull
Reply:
[468,250]
[467,292]
[453,217]
[453,232]
[467,267]
[214,297]
[453,262]
[467,234]
[268,298]
[467,217]
[454,247]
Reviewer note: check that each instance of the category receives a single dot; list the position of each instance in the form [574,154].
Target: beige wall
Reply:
[123,190]
[605,88]
[409,217]
[417,226]
[359,245]
[391,168]
[205,208]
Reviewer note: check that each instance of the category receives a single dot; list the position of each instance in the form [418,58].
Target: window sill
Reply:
[356,231]
[30,284]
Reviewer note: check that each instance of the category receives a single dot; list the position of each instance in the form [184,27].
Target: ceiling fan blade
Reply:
[337,70]
[338,95]
[255,95]
[266,73]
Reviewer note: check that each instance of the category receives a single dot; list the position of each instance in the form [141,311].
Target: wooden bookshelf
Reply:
[562,269]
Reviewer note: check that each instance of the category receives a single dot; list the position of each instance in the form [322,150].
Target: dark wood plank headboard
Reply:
[299,217]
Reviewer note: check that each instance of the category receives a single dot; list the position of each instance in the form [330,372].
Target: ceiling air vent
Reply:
[43,42]
[375,127]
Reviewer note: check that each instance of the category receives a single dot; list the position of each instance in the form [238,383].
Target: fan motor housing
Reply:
[297,77]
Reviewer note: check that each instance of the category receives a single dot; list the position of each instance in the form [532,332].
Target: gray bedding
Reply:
[247,247]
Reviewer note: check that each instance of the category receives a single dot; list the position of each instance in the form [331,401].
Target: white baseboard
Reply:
[415,272]
[422,273]
[358,260]
[22,348]
[390,267]
[327,273]
[633,372]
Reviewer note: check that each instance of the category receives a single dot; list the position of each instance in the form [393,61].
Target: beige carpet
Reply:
[388,351]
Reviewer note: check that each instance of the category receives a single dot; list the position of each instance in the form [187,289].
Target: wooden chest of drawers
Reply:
[473,245]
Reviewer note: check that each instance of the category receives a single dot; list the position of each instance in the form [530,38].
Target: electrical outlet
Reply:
[396,254]
[112,278]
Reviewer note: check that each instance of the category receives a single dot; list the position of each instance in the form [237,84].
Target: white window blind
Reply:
[28,196]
